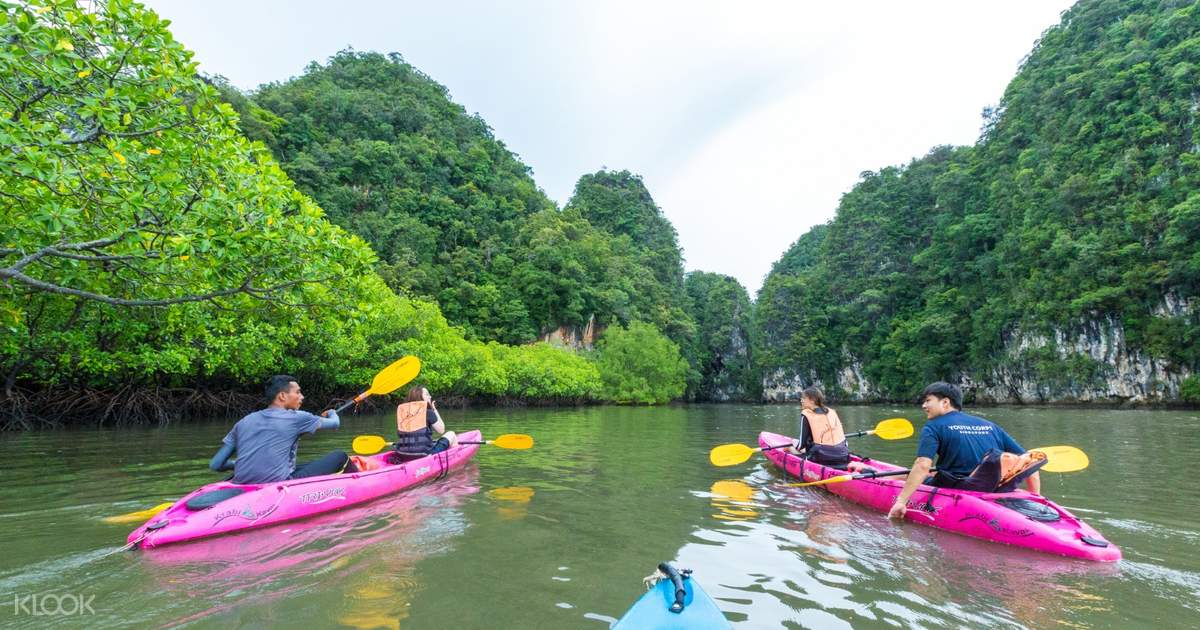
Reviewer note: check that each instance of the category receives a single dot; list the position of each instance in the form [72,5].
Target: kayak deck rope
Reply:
[283,490]
[443,460]
[127,547]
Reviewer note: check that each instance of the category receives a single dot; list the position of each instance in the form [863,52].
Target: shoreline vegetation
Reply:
[168,241]
[164,406]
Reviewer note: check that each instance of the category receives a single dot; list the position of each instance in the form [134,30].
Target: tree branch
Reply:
[264,293]
[29,102]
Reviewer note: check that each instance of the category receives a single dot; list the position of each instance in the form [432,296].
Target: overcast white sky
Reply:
[747,120]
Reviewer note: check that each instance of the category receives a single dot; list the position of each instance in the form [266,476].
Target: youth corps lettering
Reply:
[970,428]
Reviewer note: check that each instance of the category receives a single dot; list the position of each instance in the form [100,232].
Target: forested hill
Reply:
[386,153]
[650,286]
[1054,260]
[455,217]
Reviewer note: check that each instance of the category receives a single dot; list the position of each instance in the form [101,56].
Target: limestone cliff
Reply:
[1084,362]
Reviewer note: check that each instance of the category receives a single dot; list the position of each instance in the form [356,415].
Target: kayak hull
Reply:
[975,514]
[266,504]
[651,610]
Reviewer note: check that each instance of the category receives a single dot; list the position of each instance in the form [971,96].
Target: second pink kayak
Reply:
[1017,518]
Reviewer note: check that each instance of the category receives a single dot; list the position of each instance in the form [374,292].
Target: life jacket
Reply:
[413,434]
[1016,468]
[826,427]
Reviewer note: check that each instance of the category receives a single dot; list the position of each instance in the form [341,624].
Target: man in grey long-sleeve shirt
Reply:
[265,441]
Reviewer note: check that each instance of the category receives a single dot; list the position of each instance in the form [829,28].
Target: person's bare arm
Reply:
[439,426]
[920,470]
[1034,483]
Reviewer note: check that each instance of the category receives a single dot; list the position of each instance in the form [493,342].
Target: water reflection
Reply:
[513,501]
[734,500]
[810,558]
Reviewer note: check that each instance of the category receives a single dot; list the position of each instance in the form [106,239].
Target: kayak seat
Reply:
[209,499]
[400,458]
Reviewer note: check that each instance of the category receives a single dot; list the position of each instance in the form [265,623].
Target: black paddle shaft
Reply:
[887,473]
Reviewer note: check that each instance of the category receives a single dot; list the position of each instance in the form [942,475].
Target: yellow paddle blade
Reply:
[729,454]
[137,517]
[395,375]
[1063,458]
[894,429]
[516,441]
[837,479]
[368,444]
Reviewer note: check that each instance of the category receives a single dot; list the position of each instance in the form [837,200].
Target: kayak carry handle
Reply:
[677,580]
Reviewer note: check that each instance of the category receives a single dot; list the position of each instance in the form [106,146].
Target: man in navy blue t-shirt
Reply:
[958,440]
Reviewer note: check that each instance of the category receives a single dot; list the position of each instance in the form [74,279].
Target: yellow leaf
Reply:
[270,220]
[41,10]
[63,44]
[184,257]
[84,73]
[153,151]
[126,119]
[120,158]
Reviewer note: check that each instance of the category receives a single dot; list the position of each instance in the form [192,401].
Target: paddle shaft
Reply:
[849,435]
[465,442]
[353,401]
[887,473]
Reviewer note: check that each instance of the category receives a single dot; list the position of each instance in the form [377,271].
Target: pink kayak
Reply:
[225,507]
[1017,518]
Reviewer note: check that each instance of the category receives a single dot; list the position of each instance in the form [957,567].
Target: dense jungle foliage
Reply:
[457,218]
[151,254]
[1079,202]
[639,365]
[724,339]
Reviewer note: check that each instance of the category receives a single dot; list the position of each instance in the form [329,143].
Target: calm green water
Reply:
[561,535]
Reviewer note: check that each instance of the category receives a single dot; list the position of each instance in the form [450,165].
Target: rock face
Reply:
[572,336]
[721,347]
[1087,362]
[782,386]
[723,383]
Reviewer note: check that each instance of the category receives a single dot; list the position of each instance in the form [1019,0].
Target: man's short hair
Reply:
[278,383]
[942,389]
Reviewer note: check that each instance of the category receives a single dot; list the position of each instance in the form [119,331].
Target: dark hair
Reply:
[415,394]
[278,383]
[942,389]
[815,394]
